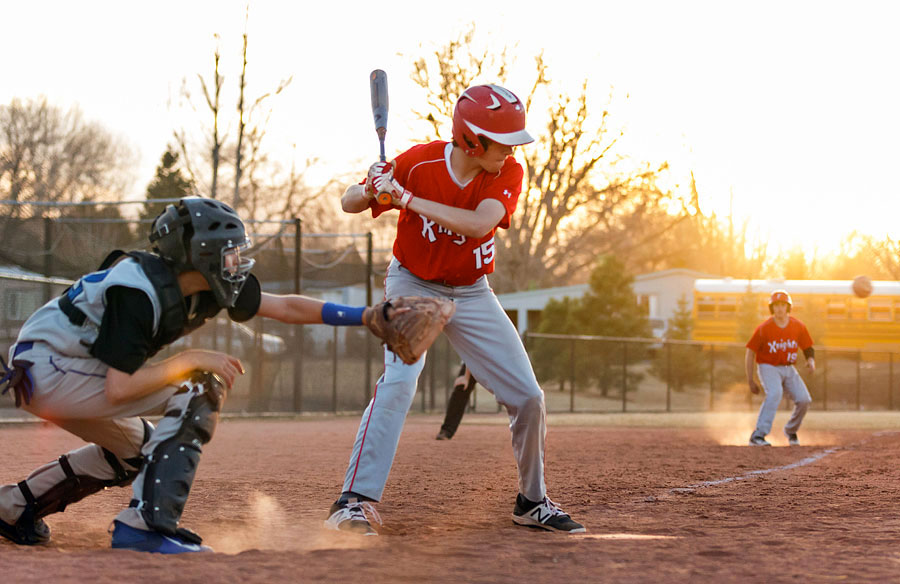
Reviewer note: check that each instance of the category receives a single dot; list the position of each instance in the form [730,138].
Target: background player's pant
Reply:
[456,405]
[489,344]
[774,379]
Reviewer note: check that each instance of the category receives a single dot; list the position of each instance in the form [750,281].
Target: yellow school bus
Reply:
[828,307]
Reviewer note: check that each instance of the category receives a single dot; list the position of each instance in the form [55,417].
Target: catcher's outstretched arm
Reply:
[297,309]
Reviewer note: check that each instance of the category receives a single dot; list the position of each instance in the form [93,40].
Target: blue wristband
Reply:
[340,315]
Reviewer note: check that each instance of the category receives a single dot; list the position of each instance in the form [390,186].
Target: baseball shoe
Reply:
[757,440]
[350,516]
[544,515]
[443,435]
[125,537]
[792,438]
[26,531]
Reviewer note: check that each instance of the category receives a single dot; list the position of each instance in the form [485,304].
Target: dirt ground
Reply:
[682,504]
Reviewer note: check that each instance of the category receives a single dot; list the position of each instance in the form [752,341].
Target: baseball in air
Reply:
[862,286]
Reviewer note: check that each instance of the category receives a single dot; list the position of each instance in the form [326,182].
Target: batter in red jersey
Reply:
[774,347]
[451,198]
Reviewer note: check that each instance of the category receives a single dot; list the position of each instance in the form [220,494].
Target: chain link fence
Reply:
[582,373]
[317,368]
[311,368]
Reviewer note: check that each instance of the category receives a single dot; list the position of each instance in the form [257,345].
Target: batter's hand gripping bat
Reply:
[379,90]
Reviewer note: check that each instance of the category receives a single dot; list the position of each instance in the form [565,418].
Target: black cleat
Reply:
[544,515]
[26,531]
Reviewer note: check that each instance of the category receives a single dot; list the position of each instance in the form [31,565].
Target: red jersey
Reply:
[778,346]
[429,250]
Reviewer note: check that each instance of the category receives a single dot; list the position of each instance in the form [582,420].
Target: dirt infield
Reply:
[662,504]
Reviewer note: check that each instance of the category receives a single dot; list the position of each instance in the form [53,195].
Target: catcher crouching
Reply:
[83,362]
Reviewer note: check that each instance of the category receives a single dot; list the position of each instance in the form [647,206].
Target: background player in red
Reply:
[773,347]
[451,198]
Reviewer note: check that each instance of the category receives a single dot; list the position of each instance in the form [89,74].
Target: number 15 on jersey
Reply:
[484,254]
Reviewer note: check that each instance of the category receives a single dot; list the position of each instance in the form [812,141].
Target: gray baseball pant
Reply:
[489,344]
[776,378]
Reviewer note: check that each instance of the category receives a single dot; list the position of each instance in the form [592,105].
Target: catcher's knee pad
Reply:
[170,467]
[76,486]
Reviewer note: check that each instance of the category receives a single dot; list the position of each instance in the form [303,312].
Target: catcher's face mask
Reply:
[236,266]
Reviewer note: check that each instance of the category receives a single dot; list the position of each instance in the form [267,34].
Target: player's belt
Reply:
[447,283]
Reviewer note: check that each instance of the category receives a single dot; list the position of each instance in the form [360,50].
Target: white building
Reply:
[658,292]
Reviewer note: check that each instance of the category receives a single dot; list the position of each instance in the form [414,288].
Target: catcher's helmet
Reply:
[492,112]
[208,236]
[780,296]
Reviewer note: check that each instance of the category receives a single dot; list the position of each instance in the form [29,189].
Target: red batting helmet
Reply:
[492,112]
[780,296]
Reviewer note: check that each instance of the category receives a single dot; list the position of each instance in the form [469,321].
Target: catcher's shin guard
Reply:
[47,494]
[170,467]
[75,486]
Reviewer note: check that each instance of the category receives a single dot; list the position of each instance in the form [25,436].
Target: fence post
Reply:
[858,380]
[825,381]
[48,257]
[572,377]
[334,369]
[624,376]
[297,331]
[712,376]
[668,377]
[890,381]
[367,390]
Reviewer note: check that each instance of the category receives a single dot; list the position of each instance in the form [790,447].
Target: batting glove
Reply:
[379,169]
[388,184]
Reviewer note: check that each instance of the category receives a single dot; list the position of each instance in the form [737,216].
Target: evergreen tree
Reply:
[609,308]
[168,183]
[681,365]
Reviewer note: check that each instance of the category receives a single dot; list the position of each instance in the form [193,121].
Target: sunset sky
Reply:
[790,110]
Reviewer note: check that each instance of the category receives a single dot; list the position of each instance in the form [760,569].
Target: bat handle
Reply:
[383,198]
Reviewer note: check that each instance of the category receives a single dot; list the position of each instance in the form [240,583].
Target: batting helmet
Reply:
[780,296]
[208,236]
[492,112]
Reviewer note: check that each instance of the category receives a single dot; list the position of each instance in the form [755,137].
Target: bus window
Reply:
[880,310]
[857,309]
[706,307]
[836,309]
[727,307]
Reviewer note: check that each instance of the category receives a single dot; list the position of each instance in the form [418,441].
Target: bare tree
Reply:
[215,140]
[580,198]
[263,187]
[51,155]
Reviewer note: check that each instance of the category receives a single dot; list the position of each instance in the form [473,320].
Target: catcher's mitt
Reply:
[408,324]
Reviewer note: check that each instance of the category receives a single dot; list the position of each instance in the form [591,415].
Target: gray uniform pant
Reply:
[489,344]
[776,378]
[70,393]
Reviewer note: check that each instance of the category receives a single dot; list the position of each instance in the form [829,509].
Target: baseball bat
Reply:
[379,90]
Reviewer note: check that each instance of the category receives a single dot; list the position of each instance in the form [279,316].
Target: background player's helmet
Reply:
[208,236]
[780,296]
[492,112]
